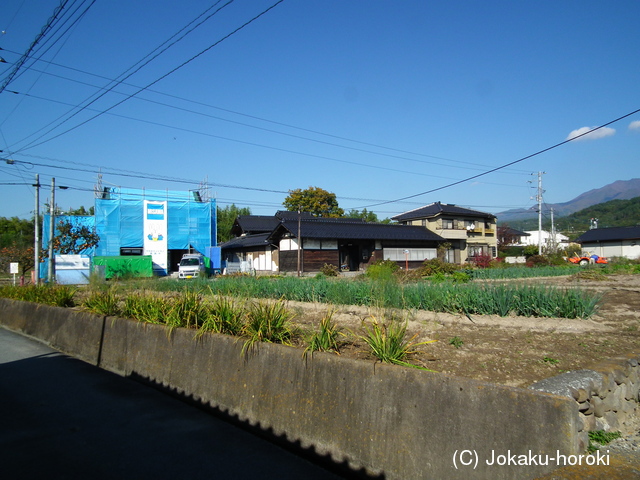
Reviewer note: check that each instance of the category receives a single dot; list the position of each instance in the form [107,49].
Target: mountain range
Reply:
[618,190]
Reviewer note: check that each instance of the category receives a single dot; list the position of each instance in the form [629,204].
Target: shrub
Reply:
[382,270]
[512,252]
[481,261]
[329,270]
[436,265]
[438,277]
[556,259]
[537,261]
[572,249]
[460,277]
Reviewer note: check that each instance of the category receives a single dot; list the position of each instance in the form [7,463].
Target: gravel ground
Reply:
[624,460]
[629,443]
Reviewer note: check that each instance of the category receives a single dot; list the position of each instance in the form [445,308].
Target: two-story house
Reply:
[468,232]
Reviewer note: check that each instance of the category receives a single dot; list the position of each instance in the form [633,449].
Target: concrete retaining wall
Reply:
[387,421]
[606,396]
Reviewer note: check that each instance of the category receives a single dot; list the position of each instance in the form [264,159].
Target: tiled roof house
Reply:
[469,232]
[307,243]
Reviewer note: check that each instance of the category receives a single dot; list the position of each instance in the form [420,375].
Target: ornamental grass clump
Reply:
[388,344]
[55,295]
[325,339]
[188,310]
[146,308]
[103,302]
[226,316]
[268,322]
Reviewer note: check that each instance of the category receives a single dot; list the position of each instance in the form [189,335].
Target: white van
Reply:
[192,266]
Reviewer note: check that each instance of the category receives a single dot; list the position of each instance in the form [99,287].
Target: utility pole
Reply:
[553,243]
[539,199]
[299,239]
[50,272]
[36,241]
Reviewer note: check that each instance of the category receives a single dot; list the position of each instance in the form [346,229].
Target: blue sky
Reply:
[373,101]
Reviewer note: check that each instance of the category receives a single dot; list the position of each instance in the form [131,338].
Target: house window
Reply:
[411,254]
[449,256]
[447,223]
[424,222]
[475,251]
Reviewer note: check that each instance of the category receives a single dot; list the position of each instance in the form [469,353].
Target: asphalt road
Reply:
[61,418]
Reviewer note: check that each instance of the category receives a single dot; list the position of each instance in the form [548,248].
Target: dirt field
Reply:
[515,351]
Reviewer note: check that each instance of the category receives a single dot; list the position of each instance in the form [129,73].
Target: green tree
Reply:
[225,218]
[80,211]
[365,214]
[530,250]
[314,200]
[16,232]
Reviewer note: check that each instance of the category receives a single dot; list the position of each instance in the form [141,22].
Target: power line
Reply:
[268,121]
[269,147]
[64,19]
[31,145]
[507,164]
[39,37]
[130,71]
[150,177]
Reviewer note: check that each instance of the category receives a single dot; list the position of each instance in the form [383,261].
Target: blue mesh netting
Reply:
[119,220]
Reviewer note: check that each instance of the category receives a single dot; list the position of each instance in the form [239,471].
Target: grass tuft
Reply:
[325,339]
[55,295]
[103,302]
[226,316]
[268,322]
[388,343]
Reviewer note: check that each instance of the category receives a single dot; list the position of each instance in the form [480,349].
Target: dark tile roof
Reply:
[252,224]
[609,234]
[281,214]
[438,208]
[247,241]
[515,233]
[344,229]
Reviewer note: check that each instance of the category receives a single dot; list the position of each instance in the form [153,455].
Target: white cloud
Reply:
[635,125]
[600,133]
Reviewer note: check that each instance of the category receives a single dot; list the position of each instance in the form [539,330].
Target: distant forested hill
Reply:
[616,213]
[618,190]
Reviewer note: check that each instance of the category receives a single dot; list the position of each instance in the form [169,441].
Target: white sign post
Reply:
[155,235]
[14,268]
